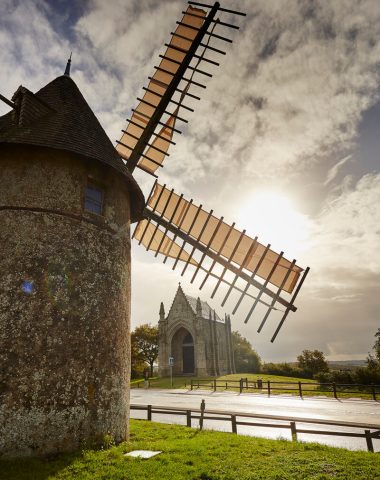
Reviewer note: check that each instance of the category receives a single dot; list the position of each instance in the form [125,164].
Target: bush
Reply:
[368,375]
[364,376]
[337,376]
[284,370]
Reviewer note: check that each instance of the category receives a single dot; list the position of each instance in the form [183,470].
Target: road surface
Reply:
[344,410]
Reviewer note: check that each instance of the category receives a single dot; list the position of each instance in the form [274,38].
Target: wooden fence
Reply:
[269,387]
[282,422]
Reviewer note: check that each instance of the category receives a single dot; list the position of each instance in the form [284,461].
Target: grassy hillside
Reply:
[188,454]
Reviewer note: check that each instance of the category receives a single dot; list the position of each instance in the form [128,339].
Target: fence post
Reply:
[246,383]
[241,385]
[293,429]
[369,440]
[268,388]
[300,388]
[233,423]
[226,386]
[373,392]
[334,390]
[203,406]
[149,417]
[191,385]
[188,418]
[214,385]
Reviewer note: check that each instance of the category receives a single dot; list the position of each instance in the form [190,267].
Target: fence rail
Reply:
[300,387]
[240,418]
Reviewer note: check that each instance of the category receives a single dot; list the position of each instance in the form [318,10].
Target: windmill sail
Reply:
[146,140]
[225,245]
[250,262]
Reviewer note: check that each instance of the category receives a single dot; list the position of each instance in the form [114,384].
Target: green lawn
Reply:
[184,382]
[157,382]
[194,455]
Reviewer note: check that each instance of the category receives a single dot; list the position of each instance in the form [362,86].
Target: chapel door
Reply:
[188,354]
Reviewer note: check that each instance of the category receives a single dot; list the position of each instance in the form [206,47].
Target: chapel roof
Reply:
[192,303]
[58,117]
[206,309]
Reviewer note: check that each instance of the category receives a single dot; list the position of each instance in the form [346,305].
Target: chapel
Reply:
[195,337]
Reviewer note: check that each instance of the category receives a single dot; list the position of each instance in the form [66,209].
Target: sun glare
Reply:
[273,218]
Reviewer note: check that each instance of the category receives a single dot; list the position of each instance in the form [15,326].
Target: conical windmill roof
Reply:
[58,117]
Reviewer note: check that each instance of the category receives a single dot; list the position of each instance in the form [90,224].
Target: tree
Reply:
[144,342]
[312,362]
[373,361]
[376,346]
[246,358]
[138,365]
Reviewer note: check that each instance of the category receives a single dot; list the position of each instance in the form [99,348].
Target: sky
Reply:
[285,142]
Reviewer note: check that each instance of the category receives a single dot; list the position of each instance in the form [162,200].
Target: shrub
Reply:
[368,375]
[337,376]
[284,369]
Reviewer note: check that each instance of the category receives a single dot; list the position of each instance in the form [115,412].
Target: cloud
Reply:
[31,51]
[334,170]
[347,233]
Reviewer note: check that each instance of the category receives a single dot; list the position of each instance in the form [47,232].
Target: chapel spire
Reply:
[199,307]
[68,65]
[162,312]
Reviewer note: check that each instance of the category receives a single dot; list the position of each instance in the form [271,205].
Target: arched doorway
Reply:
[182,350]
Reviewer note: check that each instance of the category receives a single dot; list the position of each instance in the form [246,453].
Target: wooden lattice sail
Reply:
[146,140]
[173,226]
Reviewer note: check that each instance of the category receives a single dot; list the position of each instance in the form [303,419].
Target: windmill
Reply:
[177,228]
[67,199]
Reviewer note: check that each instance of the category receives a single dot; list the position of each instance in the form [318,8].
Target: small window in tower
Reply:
[94,199]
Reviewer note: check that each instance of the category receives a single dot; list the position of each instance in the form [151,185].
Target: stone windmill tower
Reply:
[67,199]
[66,203]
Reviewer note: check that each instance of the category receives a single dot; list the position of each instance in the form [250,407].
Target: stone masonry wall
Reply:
[64,304]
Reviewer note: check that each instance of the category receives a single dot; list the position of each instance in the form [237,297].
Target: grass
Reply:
[184,382]
[164,382]
[194,455]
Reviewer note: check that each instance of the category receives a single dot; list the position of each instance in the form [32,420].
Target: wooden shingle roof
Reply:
[58,117]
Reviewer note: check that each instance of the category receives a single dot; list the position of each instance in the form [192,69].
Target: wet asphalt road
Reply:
[345,410]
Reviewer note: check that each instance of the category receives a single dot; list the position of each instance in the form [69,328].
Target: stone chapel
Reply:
[197,339]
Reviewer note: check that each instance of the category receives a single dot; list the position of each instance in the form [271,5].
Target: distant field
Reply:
[189,454]
[277,384]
